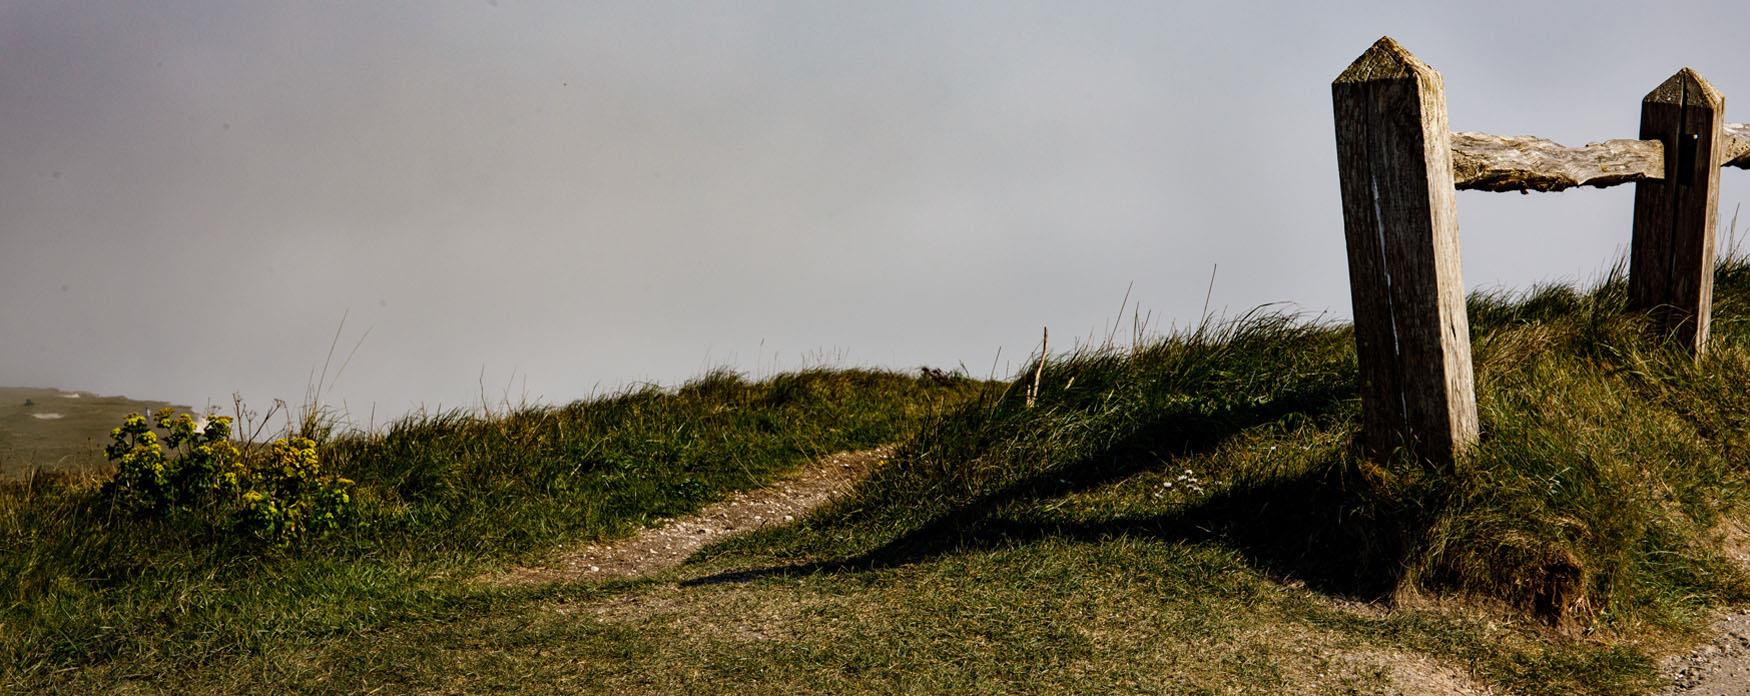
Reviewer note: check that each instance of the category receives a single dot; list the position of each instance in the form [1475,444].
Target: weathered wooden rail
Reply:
[1399,167]
[1524,163]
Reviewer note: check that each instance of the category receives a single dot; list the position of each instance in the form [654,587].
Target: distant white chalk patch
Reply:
[74,395]
[45,416]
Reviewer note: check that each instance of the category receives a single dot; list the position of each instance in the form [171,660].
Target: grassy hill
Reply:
[59,431]
[1185,516]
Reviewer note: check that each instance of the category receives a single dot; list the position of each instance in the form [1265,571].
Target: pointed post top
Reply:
[1386,60]
[1687,87]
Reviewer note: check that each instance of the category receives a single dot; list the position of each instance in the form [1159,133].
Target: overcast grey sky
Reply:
[565,197]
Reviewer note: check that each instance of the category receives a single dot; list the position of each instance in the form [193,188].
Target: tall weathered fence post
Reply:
[1394,156]
[1671,260]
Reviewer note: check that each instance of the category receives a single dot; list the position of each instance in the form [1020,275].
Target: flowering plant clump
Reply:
[289,496]
[141,480]
[196,468]
[200,467]
[210,468]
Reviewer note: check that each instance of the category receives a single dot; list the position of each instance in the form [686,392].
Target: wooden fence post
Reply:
[1671,260]
[1400,219]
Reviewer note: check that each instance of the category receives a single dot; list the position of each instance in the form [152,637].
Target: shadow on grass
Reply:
[1318,527]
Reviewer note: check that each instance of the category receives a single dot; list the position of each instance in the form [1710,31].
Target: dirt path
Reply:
[1719,668]
[669,544]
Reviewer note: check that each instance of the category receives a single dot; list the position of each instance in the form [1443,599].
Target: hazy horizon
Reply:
[550,200]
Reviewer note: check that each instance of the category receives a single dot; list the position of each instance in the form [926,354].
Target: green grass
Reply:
[91,593]
[1185,516]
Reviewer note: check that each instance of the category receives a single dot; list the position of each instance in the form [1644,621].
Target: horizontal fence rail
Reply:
[1483,162]
[1737,145]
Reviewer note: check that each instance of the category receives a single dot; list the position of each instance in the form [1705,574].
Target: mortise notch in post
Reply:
[1671,258]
